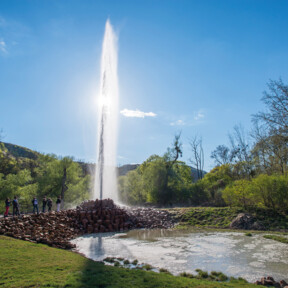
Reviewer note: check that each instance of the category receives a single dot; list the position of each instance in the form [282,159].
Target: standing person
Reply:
[49,204]
[58,202]
[35,205]
[44,203]
[7,205]
[15,204]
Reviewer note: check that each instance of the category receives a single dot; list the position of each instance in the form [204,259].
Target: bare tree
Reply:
[271,130]
[221,155]
[240,148]
[197,159]
[276,100]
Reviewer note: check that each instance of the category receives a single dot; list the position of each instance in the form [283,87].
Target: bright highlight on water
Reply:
[105,180]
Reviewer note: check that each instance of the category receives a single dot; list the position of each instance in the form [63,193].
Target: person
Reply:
[35,205]
[7,205]
[44,203]
[58,202]
[15,204]
[49,204]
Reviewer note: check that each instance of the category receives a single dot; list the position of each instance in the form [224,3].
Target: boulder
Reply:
[245,221]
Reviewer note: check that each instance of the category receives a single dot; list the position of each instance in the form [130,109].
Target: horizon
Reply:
[198,68]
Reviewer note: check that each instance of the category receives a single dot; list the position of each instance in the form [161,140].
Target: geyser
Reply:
[105,178]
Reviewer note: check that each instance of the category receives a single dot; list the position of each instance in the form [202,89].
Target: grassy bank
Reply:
[25,264]
[215,217]
[277,238]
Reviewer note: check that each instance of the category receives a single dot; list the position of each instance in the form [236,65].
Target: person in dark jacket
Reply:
[58,203]
[7,205]
[15,203]
[35,205]
[49,204]
[44,203]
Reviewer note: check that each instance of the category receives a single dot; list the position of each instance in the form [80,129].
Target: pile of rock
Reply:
[102,216]
[54,229]
[246,221]
[270,282]
[150,218]
[57,228]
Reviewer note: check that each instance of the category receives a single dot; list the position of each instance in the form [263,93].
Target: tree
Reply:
[275,118]
[221,155]
[159,180]
[170,158]
[197,158]
[216,180]
[239,193]
[271,129]
[238,154]
[62,177]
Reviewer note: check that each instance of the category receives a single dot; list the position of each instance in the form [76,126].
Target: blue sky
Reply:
[200,66]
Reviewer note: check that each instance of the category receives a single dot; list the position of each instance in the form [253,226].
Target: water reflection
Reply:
[232,253]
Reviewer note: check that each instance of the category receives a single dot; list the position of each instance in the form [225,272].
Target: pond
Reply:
[232,253]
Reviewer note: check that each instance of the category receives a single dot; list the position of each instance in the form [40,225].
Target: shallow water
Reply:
[232,253]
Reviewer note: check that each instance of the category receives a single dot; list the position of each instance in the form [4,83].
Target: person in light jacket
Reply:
[58,203]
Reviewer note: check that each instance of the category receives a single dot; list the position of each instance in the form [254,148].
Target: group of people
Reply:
[45,203]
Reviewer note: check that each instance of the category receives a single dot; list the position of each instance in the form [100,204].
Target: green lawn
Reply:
[25,264]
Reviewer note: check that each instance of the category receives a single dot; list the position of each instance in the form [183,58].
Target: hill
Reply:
[18,151]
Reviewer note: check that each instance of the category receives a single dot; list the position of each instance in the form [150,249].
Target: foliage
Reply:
[148,183]
[262,191]
[160,181]
[39,176]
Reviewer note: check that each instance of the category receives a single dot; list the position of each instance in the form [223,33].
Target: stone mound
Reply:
[58,228]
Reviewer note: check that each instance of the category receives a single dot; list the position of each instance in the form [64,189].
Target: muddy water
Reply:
[232,253]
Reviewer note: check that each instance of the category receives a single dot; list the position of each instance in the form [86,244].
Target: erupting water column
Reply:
[105,180]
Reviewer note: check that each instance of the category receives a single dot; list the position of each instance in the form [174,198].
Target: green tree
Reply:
[271,191]
[240,193]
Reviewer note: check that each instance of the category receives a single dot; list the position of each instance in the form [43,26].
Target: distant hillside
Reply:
[19,151]
[123,170]
[195,174]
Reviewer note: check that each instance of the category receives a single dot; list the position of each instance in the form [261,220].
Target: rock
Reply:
[246,221]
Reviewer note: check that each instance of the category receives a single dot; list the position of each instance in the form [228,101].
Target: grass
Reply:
[25,264]
[277,238]
[220,218]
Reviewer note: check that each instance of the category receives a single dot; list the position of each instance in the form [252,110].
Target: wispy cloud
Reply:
[178,123]
[137,113]
[196,118]
[199,115]
[3,47]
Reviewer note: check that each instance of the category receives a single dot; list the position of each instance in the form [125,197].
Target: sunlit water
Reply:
[232,253]
[105,180]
